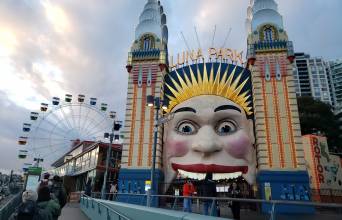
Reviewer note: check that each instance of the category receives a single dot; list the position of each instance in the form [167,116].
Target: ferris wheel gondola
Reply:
[55,129]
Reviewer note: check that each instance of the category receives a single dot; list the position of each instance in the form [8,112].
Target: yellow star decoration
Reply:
[212,84]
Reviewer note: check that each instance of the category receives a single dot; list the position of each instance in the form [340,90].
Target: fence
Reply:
[250,208]
[326,195]
[9,207]
[103,211]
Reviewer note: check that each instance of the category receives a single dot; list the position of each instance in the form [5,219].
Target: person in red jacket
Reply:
[188,190]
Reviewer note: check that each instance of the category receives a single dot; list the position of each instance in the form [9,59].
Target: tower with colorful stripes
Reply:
[280,156]
[146,67]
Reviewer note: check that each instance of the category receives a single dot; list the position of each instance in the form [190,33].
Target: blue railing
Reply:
[100,209]
[175,203]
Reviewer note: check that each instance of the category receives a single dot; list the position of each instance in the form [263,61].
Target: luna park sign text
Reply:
[213,53]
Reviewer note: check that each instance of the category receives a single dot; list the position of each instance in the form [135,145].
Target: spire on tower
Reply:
[152,20]
[262,12]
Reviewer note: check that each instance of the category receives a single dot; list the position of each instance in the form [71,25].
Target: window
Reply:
[148,43]
[267,72]
[268,33]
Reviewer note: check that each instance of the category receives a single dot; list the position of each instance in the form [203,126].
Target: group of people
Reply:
[207,188]
[45,203]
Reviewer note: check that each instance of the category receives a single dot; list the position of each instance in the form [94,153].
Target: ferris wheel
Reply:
[57,127]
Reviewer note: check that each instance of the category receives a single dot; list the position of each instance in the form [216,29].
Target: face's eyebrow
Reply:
[185,109]
[227,107]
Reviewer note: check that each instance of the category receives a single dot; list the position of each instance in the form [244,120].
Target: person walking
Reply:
[112,191]
[188,191]
[58,191]
[88,188]
[208,189]
[46,203]
[28,210]
[234,192]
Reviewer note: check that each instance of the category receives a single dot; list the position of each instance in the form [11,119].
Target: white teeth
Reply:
[216,176]
[186,174]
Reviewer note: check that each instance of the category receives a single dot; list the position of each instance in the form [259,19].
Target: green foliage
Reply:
[316,116]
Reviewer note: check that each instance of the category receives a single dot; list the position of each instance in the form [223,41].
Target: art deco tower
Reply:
[270,55]
[146,68]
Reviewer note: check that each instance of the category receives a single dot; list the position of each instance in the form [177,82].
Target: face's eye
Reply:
[186,128]
[226,128]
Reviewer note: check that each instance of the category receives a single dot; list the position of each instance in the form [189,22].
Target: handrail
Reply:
[273,203]
[285,202]
[106,206]
[9,206]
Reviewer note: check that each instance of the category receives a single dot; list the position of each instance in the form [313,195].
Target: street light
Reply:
[111,136]
[155,101]
[38,160]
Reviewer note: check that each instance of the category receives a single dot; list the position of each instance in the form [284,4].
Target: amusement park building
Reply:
[267,98]
[87,160]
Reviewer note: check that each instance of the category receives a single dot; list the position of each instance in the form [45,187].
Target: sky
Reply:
[50,48]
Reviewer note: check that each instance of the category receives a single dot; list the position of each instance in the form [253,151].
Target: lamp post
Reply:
[111,136]
[38,160]
[154,101]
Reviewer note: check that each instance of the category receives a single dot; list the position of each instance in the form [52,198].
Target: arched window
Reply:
[147,43]
[268,34]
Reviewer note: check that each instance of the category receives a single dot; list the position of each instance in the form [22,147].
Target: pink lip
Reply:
[210,168]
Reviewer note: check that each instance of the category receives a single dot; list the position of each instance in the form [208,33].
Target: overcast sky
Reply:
[49,48]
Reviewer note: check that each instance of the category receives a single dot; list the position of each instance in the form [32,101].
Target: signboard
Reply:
[325,170]
[32,182]
[213,53]
[268,191]
[176,192]
[147,185]
[34,170]
[33,177]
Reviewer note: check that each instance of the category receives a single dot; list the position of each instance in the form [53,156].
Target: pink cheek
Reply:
[177,148]
[239,146]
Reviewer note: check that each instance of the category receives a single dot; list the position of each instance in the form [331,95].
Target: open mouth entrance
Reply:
[198,171]
[200,176]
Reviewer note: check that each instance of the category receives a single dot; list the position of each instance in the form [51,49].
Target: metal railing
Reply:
[86,199]
[9,207]
[175,203]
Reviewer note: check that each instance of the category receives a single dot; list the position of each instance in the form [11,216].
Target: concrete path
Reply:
[72,211]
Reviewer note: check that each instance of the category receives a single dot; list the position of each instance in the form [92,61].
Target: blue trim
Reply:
[146,53]
[133,181]
[285,185]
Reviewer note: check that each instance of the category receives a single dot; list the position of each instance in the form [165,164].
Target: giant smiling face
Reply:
[209,134]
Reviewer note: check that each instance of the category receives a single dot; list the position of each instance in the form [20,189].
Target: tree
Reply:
[316,116]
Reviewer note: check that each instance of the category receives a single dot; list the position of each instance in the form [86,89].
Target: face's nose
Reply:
[206,141]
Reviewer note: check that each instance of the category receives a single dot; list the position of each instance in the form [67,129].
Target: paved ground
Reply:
[72,211]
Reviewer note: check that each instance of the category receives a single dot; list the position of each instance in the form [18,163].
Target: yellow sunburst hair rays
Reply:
[227,81]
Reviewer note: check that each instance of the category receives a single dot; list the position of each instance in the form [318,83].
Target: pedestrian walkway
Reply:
[72,211]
